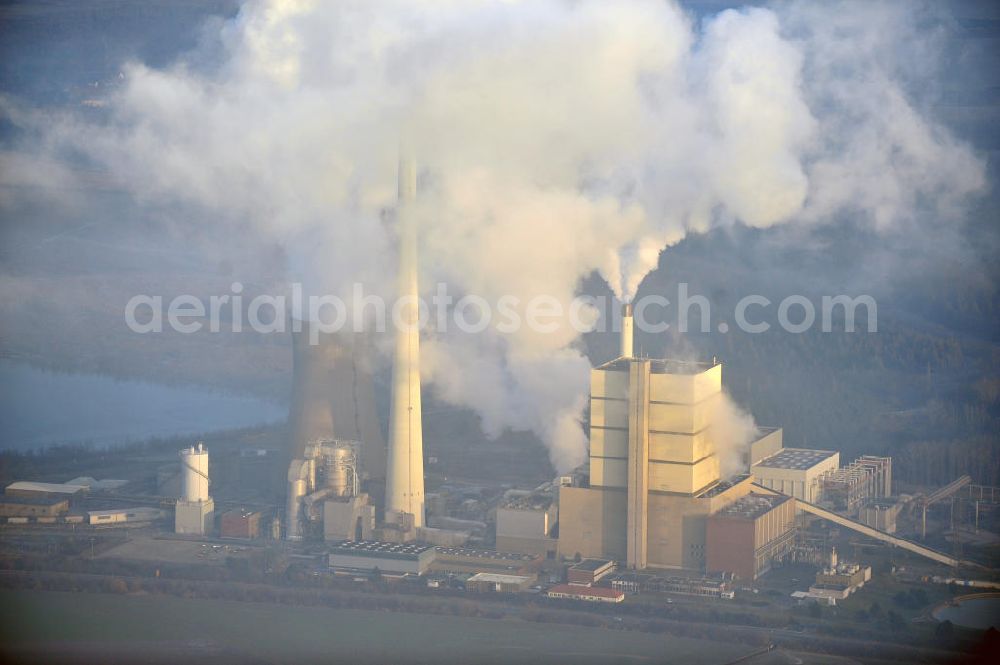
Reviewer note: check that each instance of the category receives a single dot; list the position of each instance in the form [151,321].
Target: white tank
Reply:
[194,473]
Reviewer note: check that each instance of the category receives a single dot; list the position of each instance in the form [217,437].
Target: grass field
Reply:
[124,628]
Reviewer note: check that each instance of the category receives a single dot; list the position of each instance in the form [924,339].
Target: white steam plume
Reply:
[556,137]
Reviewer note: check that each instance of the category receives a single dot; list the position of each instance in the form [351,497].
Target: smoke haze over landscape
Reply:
[556,140]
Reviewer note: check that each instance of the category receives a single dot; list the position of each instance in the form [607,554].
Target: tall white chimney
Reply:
[404,482]
[626,350]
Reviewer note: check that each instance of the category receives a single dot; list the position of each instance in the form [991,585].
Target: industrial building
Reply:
[469,560]
[880,514]
[34,490]
[328,469]
[769,443]
[194,511]
[654,474]
[94,485]
[589,571]
[33,506]
[413,558]
[689,586]
[525,524]
[867,477]
[589,594]
[838,579]
[348,518]
[797,472]
[749,535]
[240,523]
[493,582]
[124,515]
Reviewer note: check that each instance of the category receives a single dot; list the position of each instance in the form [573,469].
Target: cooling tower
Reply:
[333,396]
[404,487]
[355,416]
[311,414]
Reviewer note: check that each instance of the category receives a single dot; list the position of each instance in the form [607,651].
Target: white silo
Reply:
[194,469]
[194,511]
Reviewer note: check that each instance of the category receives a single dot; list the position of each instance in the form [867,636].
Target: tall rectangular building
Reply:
[654,472]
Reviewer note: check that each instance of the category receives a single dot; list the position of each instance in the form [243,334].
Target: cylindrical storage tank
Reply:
[194,473]
[338,469]
[296,492]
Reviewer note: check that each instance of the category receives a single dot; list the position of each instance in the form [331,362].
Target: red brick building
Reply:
[746,537]
[240,523]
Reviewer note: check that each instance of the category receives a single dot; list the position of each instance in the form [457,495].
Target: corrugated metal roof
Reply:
[94,484]
[32,486]
[500,579]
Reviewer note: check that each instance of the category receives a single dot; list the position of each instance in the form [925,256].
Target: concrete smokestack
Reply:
[404,485]
[627,333]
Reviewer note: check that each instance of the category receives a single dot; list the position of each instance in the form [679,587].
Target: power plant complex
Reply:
[650,497]
[665,502]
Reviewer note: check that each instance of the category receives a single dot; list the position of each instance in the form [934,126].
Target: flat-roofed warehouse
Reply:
[36,506]
[589,571]
[470,560]
[31,489]
[590,594]
[748,536]
[483,582]
[413,558]
[796,471]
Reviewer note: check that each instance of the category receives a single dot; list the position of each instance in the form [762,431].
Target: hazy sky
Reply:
[555,139]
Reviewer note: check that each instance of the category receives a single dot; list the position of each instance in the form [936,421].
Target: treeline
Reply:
[940,462]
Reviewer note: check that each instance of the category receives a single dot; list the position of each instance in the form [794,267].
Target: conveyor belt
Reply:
[866,530]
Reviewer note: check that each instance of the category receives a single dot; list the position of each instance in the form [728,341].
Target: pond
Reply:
[975,612]
[40,408]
